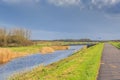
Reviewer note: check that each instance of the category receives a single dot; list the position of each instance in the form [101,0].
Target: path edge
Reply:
[100,61]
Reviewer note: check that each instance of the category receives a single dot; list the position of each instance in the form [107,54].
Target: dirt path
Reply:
[110,64]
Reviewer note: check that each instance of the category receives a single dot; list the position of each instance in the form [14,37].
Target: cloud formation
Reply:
[19,1]
[64,2]
[109,6]
[76,2]
[104,2]
[96,3]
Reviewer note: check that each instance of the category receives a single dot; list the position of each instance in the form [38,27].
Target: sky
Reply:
[63,19]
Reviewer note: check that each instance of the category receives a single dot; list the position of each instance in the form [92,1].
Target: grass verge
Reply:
[83,65]
[116,44]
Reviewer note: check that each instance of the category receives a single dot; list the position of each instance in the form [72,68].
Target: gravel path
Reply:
[110,64]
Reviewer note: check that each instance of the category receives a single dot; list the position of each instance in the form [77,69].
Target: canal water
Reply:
[29,62]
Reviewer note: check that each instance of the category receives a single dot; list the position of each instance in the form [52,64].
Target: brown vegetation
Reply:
[51,49]
[6,55]
[14,37]
[60,47]
[45,50]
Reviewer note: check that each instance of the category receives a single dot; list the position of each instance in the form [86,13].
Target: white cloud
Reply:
[64,2]
[110,2]
[19,1]
[102,3]
[81,3]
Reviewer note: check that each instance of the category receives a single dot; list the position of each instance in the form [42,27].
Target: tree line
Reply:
[15,37]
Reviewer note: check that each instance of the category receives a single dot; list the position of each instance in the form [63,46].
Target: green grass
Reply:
[36,48]
[116,44]
[27,49]
[83,65]
[64,43]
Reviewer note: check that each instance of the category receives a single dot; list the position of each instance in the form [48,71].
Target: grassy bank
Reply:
[7,54]
[27,49]
[56,43]
[36,48]
[83,65]
[116,44]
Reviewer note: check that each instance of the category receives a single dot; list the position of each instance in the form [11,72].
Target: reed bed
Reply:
[6,55]
[45,50]
[51,49]
[60,47]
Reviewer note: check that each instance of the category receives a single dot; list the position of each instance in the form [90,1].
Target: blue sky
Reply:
[63,19]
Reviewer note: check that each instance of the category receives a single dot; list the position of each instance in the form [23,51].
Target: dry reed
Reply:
[51,49]
[45,50]
[6,55]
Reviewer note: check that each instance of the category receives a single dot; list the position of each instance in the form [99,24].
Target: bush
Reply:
[15,37]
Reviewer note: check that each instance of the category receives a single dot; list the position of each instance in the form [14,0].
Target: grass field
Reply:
[63,43]
[83,65]
[27,49]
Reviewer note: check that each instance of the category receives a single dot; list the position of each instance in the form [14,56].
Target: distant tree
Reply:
[3,37]
[15,37]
